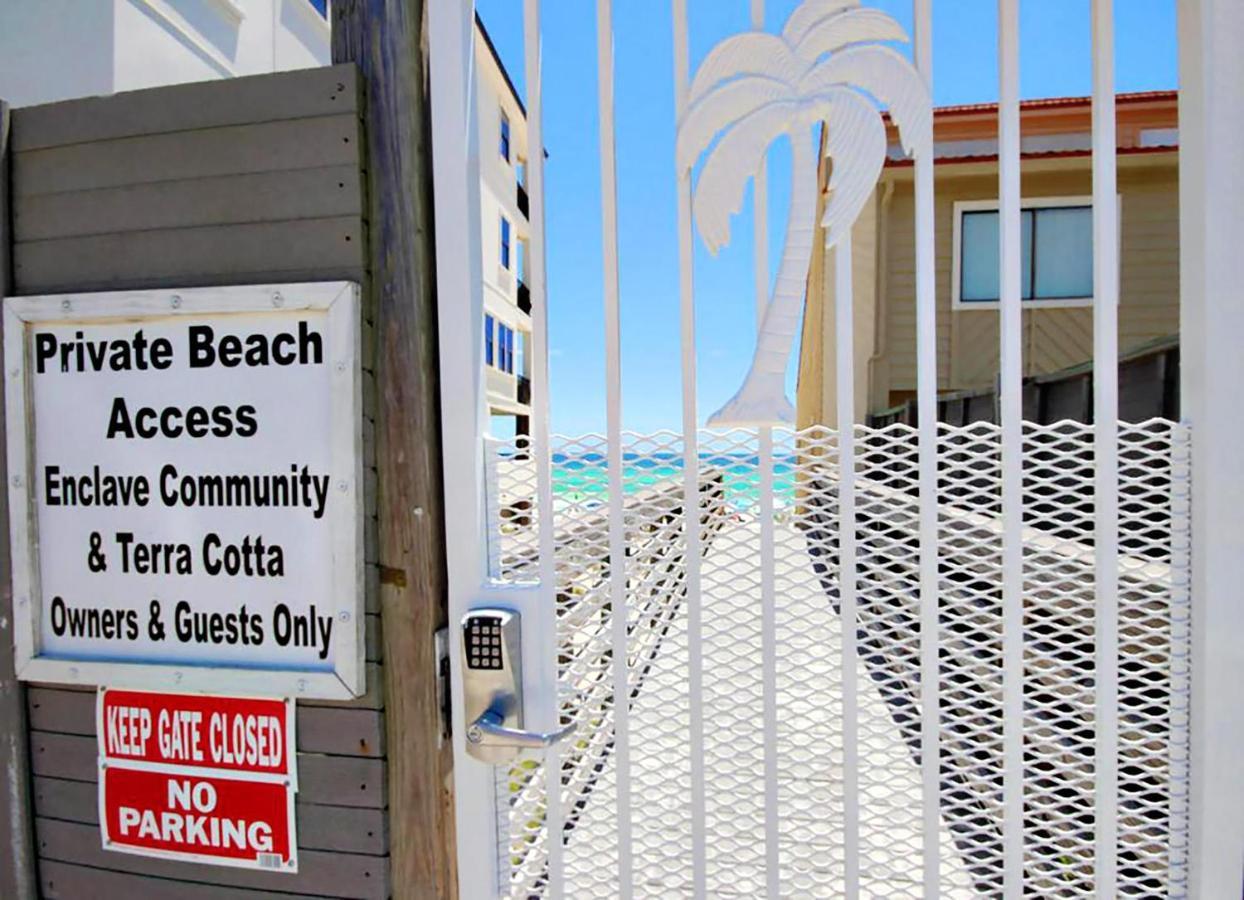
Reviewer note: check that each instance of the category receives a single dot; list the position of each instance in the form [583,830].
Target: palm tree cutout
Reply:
[825,66]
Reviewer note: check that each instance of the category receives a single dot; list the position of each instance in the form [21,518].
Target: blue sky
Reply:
[1055,60]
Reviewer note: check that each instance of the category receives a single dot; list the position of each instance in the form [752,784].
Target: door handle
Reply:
[492,688]
[489,730]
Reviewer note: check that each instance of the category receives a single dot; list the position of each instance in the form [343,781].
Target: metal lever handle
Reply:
[488,729]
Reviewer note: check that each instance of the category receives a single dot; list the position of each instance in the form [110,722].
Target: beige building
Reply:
[1056,186]
[505,234]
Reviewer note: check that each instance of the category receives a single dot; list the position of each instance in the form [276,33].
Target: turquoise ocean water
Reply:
[585,477]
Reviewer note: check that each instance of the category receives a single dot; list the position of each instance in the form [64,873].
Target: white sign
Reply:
[184,478]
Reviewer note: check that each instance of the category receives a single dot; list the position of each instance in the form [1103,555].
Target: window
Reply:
[505,136]
[505,242]
[1056,240]
[505,348]
[320,6]
[498,345]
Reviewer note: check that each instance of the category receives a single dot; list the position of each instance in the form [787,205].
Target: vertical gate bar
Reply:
[768,601]
[691,475]
[613,400]
[459,275]
[1010,388]
[1211,327]
[1106,447]
[541,441]
[926,442]
[844,338]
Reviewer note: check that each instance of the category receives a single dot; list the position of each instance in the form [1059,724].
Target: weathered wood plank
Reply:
[345,875]
[1142,388]
[373,698]
[66,881]
[386,40]
[981,408]
[1069,398]
[17,868]
[373,638]
[1031,401]
[342,781]
[73,801]
[235,150]
[1170,405]
[342,829]
[183,107]
[193,256]
[61,712]
[331,780]
[343,732]
[220,200]
[6,201]
[371,575]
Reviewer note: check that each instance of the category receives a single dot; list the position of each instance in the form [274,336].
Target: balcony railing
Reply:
[524,298]
[522,201]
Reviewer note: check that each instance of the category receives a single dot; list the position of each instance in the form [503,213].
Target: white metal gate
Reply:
[809,768]
[891,662]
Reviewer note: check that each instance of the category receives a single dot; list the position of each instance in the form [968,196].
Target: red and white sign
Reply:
[226,734]
[193,816]
[198,778]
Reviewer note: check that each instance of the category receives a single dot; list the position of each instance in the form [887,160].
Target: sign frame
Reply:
[341,301]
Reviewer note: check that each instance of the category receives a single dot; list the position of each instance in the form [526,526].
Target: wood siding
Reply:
[242,182]
[1053,338]
[253,180]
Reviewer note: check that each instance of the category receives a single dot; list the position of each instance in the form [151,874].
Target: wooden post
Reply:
[17,870]
[384,38]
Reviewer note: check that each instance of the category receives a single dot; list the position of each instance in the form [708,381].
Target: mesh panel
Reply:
[808,744]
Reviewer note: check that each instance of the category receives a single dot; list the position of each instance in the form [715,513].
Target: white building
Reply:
[53,50]
[506,231]
[61,49]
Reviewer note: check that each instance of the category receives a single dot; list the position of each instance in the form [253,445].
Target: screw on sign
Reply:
[230,820]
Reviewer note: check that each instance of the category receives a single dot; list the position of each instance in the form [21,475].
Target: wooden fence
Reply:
[253,180]
[1148,388]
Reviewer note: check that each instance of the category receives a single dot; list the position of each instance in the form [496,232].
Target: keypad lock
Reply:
[482,638]
[492,678]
